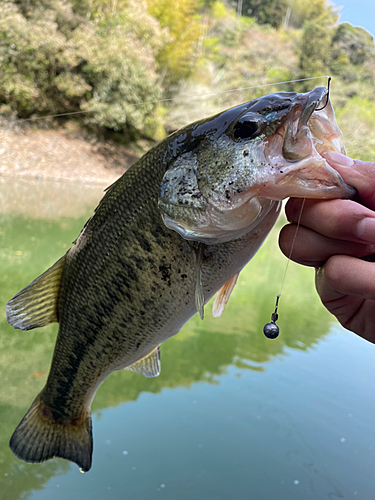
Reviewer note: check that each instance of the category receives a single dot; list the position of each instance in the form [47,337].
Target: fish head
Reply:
[230,170]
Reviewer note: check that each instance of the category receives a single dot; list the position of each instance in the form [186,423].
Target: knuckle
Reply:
[285,238]
[342,218]
[334,271]
[292,209]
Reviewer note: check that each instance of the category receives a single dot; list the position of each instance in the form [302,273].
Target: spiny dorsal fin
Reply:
[149,366]
[223,295]
[36,305]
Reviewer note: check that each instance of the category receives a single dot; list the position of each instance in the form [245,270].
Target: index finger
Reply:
[357,173]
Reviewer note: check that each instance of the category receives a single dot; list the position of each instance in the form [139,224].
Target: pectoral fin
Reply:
[149,366]
[223,295]
[36,305]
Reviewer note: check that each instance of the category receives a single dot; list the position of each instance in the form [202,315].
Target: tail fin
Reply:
[39,437]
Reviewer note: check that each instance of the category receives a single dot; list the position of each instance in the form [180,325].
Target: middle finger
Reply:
[313,249]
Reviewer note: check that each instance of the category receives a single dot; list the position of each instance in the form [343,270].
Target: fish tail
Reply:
[39,437]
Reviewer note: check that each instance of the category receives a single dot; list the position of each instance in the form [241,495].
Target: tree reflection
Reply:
[201,352]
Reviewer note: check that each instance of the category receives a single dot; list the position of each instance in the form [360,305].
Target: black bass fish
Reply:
[177,227]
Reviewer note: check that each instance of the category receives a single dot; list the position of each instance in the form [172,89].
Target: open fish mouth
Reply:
[246,159]
[312,127]
[294,152]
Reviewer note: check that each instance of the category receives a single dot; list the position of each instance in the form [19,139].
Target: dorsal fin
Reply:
[149,366]
[223,295]
[36,305]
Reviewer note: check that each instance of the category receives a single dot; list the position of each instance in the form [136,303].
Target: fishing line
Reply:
[291,248]
[271,330]
[194,96]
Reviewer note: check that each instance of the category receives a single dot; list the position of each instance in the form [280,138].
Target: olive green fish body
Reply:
[173,230]
[128,285]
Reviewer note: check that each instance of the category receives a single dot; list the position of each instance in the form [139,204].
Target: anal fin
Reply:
[149,366]
[36,305]
[223,295]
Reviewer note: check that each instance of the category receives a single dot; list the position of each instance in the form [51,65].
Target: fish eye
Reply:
[247,127]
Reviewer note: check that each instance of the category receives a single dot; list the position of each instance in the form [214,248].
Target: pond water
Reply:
[232,416]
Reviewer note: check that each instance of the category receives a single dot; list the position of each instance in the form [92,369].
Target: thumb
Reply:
[358,174]
[346,288]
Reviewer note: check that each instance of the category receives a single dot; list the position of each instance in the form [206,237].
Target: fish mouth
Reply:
[294,153]
[265,151]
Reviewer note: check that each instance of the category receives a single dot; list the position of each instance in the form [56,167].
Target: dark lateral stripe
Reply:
[118,288]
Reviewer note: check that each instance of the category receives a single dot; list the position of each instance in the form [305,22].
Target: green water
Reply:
[232,416]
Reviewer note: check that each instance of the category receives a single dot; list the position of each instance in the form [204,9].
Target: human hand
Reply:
[337,237]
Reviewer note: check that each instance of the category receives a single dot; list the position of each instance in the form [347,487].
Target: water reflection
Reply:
[34,234]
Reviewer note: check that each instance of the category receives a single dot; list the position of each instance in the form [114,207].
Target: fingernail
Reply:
[339,159]
[366,229]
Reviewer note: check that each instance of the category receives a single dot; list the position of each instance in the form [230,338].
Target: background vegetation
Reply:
[115,59]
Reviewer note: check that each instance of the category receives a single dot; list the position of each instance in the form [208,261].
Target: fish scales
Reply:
[107,272]
[210,191]
[122,269]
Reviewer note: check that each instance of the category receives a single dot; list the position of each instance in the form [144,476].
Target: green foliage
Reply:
[317,33]
[303,11]
[107,58]
[314,48]
[54,60]
[30,51]
[271,12]
[116,57]
[356,120]
[352,44]
[220,10]
[178,56]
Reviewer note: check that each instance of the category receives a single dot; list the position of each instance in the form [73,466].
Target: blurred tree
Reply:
[314,49]
[315,44]
[116,55]
[352,42]
[179,55]
[109,57]
[99,8]
[31,54]
[271,12]
[302,11]
[56,59]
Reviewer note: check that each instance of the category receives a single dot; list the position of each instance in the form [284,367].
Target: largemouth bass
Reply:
[177,227]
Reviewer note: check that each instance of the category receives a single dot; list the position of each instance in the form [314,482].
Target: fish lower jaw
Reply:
[310,177]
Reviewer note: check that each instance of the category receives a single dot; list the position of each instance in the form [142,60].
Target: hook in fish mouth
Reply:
[294,152]
[298,139]
[251,157]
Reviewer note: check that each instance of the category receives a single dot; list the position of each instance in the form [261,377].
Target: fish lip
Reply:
[319,180]
[299,169]
[315,97]
[299,139]
[306,104]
